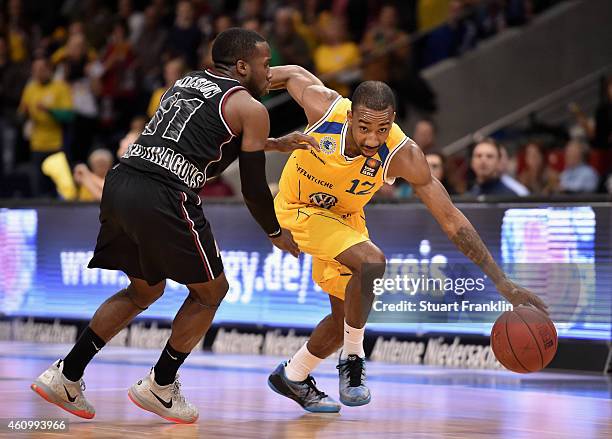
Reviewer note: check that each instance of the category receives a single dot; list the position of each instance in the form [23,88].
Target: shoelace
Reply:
[354,369]
[312,387]
[176,391]
[82,383]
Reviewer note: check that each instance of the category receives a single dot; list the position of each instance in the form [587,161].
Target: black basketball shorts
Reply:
[153,232]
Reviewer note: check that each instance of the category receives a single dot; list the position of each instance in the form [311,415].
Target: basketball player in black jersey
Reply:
[152,224]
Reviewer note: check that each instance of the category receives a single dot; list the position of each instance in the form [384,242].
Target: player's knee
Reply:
[144,296]
[210,294]
[372,263]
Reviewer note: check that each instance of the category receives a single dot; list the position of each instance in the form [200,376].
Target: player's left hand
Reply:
[518,295]
[295,140]
[285,242]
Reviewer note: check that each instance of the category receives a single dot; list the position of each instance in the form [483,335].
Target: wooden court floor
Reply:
[234,400]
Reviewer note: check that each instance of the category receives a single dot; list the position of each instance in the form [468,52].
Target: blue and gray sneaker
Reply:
[353,391]
[305,393]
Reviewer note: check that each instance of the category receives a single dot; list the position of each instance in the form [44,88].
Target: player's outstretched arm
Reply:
[291,142]
[305,88]
[410,164]
[250,118]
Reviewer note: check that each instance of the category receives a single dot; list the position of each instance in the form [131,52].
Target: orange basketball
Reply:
[524,340]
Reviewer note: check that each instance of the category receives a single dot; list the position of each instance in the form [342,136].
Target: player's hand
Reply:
[286,243]
[295,140]
[518,295]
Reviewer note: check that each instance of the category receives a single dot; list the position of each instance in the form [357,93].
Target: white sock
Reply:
[353,341]
[301,364]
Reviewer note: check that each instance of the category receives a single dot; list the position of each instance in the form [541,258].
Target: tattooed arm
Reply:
[409,163]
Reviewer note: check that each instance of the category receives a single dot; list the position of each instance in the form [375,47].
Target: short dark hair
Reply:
[374,95]
[234,44]
[490,141]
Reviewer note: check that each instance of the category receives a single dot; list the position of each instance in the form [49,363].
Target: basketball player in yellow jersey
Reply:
[321,200]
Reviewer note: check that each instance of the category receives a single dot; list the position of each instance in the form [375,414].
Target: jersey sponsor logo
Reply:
[171,160]
[321,199]
[370,167]
[328,145]
[203,85]
[312,178]
[316,156]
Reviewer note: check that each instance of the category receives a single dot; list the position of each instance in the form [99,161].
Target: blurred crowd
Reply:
[80,78]
[538,160]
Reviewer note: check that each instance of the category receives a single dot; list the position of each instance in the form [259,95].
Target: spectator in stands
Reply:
[76,32]
[222,23]
[91,179]
[491,18]
[336,59]
[486,158]
[173,71]
[505,171]
[578,176]
[47,104]
[437,165]
[74,65]
[287,42]
[385,47]
[118,81]
[453,38]
[425,135]
[250,9]
[184,37]
[253,24]
[99,20]
[134,19]
[13,77]
[538,177]
[149,47]
[17,32]
[598,130]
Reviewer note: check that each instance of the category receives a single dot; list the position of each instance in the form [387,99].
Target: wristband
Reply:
[275,234]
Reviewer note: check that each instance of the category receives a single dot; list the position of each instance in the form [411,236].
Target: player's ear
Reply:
[242,67]
[349,116]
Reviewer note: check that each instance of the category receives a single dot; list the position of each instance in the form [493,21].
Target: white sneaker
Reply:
[54,387]
[165,401]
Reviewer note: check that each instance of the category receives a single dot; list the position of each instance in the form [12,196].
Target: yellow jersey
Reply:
[328,178]
[47,133]
[155,100]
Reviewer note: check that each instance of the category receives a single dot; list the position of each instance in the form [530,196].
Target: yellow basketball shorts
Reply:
[323,235]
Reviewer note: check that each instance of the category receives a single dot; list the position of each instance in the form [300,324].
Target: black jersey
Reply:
[186,140]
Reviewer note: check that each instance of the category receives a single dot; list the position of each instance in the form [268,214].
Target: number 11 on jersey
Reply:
[184,110]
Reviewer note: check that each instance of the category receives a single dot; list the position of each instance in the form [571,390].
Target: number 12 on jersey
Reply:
[183,110]
[364,184]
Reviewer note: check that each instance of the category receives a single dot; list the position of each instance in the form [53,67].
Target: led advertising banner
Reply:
[44,253]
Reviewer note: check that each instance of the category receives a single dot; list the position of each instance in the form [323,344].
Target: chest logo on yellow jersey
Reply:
[321,199]
[327,145]
[370,167]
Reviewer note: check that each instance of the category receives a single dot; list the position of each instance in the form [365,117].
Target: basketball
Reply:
[524,340]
